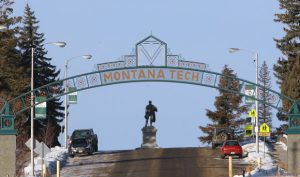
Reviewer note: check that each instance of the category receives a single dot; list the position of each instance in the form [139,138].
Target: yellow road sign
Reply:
[264,128]
[252,113]
[264,134]
[248,130]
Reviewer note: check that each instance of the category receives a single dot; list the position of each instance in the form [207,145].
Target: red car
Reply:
[231,147]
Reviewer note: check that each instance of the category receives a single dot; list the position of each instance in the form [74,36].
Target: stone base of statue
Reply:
[149,137]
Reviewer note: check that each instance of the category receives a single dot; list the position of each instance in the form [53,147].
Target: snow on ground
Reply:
[268,166]
[57,153]
[284,147]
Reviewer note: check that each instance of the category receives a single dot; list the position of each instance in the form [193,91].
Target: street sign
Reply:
[264,134]
[264,128]
[28,143]
[39,148]
[248,130]
[252,113]
[249,91]
[40,109]
[72,96]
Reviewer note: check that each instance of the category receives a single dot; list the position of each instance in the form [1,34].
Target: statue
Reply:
[150,113]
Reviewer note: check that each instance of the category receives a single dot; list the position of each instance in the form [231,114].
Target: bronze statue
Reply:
[150,113]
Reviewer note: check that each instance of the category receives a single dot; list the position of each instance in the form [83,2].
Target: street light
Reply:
[3,28]
[59,44]
[88,56]
[232,50]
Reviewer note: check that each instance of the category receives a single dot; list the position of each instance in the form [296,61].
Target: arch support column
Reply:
[293,143]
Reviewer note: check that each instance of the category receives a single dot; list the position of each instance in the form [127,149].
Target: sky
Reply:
[200,31]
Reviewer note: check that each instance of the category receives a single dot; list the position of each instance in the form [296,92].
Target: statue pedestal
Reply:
[149,137]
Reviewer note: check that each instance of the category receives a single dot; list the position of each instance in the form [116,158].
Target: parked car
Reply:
[232,148]
[87,134]
[80,146]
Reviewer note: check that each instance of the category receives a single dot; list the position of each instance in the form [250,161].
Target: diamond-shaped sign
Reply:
[39,148]
[252,113]
[264,128]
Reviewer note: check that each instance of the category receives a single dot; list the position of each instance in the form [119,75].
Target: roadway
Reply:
[161,162]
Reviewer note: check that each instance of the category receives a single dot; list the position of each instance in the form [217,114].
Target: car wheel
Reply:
[71,155]
[222,156]
[90,152]
[240,156]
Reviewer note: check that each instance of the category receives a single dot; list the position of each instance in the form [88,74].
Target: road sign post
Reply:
[264,130]
[252,113]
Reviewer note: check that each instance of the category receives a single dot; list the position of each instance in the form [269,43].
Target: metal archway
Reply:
[135,68]
[142,74]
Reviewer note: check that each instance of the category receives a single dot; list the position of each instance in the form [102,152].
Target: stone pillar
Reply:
[293,142]
[8,155]
[293,153]
[149,137]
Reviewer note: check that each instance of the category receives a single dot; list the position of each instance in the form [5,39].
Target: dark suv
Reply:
[88,135]
[80,146]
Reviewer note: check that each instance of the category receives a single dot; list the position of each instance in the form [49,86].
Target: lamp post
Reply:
[59,44]
[88,56]
[231,50]
[3,28]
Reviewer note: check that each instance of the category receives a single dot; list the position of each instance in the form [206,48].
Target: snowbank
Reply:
[57,153]
[283,145]
[268,166]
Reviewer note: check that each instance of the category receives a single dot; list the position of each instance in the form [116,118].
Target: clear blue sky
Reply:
[200,31]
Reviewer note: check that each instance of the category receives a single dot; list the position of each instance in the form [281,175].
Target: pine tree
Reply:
[13,82]
[44,73]
[228,107]
[289,45]
[264,79]
[11,79]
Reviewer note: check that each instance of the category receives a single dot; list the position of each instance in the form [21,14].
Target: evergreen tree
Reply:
[264,79]
[228,107]
[11,79]
[289,45]
[44,73]
[13,82]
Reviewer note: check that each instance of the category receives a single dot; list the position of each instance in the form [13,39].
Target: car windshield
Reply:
[79,142]
[232,143]
[81,134]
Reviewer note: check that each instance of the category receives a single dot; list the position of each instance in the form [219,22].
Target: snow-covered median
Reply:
[57,153]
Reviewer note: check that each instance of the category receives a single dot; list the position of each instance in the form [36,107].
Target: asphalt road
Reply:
[169,162]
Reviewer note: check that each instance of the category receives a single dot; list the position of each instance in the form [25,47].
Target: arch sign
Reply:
[151,52]
[151,61]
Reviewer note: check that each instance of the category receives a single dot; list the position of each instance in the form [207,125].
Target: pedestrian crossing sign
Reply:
[252,113]
[264,128]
